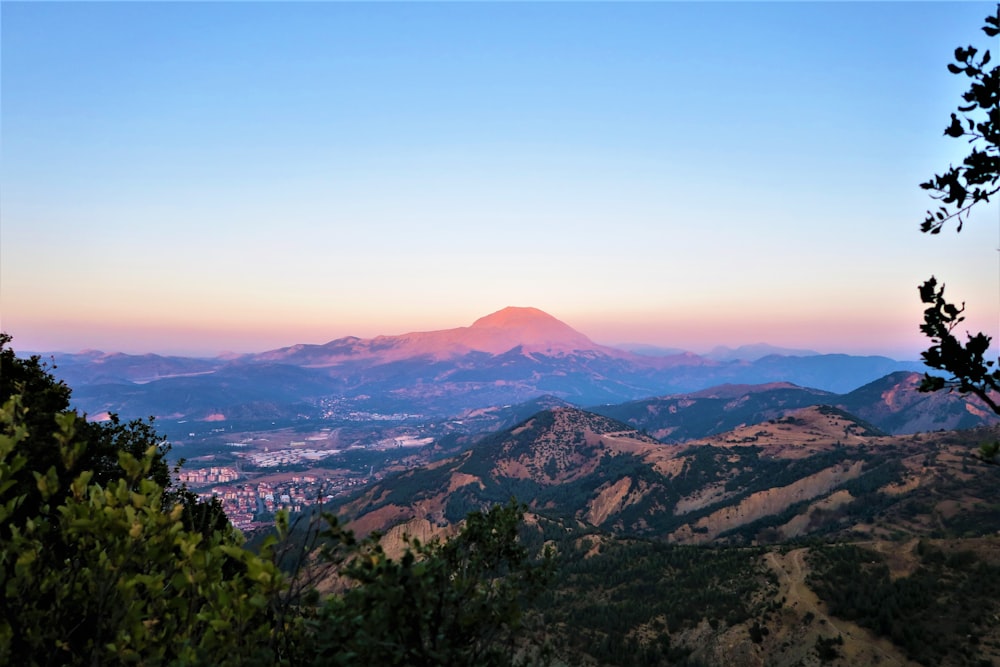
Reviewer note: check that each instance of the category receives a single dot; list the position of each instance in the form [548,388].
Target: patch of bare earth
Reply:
[460,479]
[767,503]
[387,515]
[608,501]
[705,496]
[801,523]
[395,540]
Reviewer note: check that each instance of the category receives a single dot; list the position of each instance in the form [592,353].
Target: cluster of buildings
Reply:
[343,409]
[251,504]
[202,476]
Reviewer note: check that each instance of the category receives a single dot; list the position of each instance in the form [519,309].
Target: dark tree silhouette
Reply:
[959,189]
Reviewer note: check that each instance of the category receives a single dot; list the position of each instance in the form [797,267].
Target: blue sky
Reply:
[187,177]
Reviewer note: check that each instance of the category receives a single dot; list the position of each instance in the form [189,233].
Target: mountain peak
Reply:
[529,327]
[516,317]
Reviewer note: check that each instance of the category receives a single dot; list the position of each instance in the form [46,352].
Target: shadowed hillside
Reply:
[707,553]
[892,404]
[817,471]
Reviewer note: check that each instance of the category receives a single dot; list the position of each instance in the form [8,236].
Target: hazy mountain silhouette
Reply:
[892,404]
[507,357]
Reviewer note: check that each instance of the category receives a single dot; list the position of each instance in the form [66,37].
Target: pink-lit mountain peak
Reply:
[518,316]
[530,328]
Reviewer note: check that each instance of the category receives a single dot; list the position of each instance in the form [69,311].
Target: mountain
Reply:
[552,451]
[647,350]
[816,471]
[896,405]
[530,329]
[229,392]
[715,410]
[95,367]
[892,404]
[505,358]
[830,372]
[755,352]
[809,539]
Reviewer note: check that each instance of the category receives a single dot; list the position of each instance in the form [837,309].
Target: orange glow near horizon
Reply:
[581,176]
[199,335]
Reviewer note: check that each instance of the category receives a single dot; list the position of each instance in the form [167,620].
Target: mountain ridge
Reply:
[819,470]
[509,319]
[893,403]
[514,326]
[506,357]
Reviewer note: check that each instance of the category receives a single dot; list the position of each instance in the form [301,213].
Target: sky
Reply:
[188,178]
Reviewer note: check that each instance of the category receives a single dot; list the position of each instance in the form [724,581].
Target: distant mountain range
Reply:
[722,353]
[508,357]
[755,352]
[893,404]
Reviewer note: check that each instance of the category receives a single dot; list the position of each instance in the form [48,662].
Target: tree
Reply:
[47,404]
[107,574]
[456,602]
[960,189]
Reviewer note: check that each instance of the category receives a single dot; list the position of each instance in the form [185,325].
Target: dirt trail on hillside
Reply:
[861,646]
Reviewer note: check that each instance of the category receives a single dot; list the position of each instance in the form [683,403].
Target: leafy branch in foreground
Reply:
[970,370]
[960,189]
[975,180]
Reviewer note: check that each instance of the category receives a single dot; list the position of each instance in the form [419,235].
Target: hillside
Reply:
[714,410]
[706,553]
[817,471]
[808,539]
[551,452]
[895,404]
[892,404]
[638,602]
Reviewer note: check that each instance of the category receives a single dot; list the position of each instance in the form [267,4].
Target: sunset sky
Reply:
[198,178]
